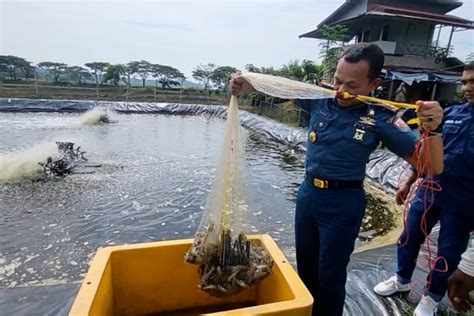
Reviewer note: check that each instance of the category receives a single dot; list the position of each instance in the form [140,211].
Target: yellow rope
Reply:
[365,98]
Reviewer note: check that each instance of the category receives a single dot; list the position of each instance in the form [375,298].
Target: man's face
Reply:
[353,78]
[468,85]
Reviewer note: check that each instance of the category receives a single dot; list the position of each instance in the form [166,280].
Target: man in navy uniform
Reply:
[452,207]
[331,201]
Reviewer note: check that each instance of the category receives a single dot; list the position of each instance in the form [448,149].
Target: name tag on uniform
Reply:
[453,122]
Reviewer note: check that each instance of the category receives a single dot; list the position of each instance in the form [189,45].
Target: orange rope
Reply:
[430,187]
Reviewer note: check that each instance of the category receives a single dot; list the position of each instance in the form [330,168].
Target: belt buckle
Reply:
[319,183]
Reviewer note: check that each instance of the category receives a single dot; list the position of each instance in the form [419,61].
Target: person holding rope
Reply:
[343,132]
[451,205]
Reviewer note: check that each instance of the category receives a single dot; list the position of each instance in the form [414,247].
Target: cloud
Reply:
[154,25]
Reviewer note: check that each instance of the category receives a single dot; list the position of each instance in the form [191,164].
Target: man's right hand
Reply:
[238,85]
[402,193]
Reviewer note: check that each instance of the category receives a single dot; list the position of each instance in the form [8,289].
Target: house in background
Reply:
[408,32]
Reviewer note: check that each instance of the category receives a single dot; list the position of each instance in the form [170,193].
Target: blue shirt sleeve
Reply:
[397,136]
[309,104]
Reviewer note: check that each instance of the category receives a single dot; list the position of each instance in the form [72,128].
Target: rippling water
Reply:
[155,176]
[147,179]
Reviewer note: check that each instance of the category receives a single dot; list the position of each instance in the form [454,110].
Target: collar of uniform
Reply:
[361,106]
[468,106]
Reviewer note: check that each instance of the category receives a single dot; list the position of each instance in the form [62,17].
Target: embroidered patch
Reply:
[359,134]
[400,125]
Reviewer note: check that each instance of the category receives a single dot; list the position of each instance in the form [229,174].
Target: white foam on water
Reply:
[92,116]
[24,164]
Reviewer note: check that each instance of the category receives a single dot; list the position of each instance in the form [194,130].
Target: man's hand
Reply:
[459,286]
[430,114]
[402,193]
[238,85]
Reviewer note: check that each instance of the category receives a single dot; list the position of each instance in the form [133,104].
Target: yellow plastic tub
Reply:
[153,279]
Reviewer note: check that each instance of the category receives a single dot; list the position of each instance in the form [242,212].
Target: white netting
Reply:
[285,88]
[290,89]
[228,262]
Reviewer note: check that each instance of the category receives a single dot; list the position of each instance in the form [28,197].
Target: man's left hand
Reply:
[430,114]
[459,286]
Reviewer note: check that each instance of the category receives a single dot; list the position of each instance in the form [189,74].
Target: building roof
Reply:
[439,19]
[380,10]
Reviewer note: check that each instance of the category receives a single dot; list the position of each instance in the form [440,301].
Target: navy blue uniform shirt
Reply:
[457,179]
[340,140]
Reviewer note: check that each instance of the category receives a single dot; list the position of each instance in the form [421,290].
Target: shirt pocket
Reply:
[319,123]
[451,128]
[453,139]
[359,136]
[356,144]
[321,126]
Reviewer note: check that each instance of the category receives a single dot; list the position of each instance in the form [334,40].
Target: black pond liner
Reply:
[365,270]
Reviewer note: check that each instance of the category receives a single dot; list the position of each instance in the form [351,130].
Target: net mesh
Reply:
[290,89]
[285,88]
[228,261]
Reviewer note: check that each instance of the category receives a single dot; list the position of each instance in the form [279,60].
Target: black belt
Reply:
[334,184]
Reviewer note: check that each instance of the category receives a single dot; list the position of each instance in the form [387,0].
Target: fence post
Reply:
[36,84]
[259,106]
[281,112]
[299,117]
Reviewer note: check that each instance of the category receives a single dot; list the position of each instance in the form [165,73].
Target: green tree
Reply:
[98,68]
[14,65]
[203,73]
[312,72]
[251,68]
[220,75]
[263,70]
[144,70]
[292,70]
[130,69]
[331,45]
[77,73]
[269,71]
[167,76]
[114,73]
[53,68]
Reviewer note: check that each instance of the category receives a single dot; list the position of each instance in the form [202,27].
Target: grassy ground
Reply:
[286,112]
[110,93]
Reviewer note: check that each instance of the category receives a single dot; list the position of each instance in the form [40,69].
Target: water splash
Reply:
[24,164]
[92,116]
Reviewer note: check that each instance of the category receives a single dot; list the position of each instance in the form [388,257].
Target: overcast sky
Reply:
[182,34]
